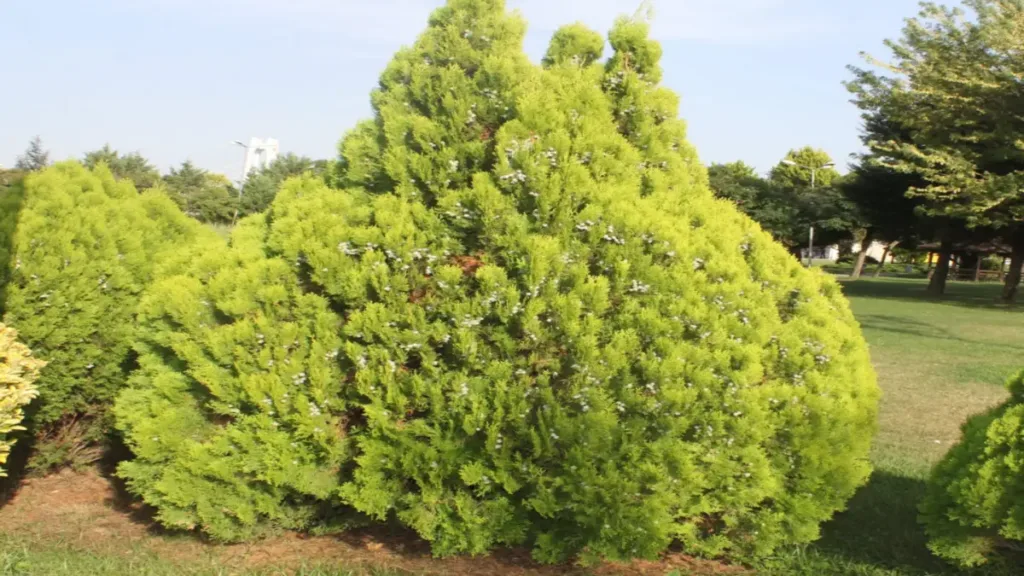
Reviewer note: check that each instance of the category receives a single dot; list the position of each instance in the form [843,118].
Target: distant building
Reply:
[260,153]
[831,253]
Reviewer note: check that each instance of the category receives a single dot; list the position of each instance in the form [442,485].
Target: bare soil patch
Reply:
[87,511]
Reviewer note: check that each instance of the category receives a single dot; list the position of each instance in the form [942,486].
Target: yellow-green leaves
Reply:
[974,505]
[85,247]
[525,321]
[18,373]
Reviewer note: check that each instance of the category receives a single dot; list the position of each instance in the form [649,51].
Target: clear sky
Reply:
[177,79]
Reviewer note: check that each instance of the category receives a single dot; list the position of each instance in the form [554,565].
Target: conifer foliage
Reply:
[18,373]
[84,248]
[974,508]
[521,318]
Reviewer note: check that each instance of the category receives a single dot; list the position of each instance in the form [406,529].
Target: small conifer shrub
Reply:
[84,248]
[974,508]
[520,318]
[18,373]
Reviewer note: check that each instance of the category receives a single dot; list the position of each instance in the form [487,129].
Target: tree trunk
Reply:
[1013,276]
[977,268]
[885,256]
[862,257]
[937,286]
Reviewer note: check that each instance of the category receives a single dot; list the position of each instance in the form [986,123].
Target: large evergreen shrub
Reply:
[524,319]
[10,206]
[974,507]
[18,373]
[85,247]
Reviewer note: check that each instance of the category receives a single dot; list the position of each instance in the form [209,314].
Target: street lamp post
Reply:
[814,174]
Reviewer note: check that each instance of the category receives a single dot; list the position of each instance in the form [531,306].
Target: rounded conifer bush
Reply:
[974,509]
[84,248]
[519,318]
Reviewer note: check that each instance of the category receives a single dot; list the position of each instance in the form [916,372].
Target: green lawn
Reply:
[938,362]
[21,556]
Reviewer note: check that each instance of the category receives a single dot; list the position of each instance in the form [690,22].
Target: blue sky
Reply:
[177,79]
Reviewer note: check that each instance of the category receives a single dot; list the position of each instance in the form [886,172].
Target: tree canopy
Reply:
[946,108]
[205,196]
[35,157]
[132,166]
[261,186]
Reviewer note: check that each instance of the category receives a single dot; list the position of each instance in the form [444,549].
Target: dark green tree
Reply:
[206,197]
[885,211]
[131,166]
[261,186]
[35,157]
[953,87]
[764,201]
[806,190]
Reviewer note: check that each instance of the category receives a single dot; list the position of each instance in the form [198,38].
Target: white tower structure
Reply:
[259,153]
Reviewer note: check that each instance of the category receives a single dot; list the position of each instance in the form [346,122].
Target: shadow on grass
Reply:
[909,327]
[880,528]
[965,294]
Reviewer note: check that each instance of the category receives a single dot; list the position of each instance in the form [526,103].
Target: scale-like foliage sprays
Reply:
[974,511]
[523,320]
[84,248]
[18,373]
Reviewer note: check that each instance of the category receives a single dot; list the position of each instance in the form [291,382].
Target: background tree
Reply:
[886,213]
[206,197]
[755,196]
[811,198]
[128,166]
[35,157]
[954,88]
[261,186]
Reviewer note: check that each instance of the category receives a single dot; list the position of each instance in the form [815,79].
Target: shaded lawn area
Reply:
[938,362]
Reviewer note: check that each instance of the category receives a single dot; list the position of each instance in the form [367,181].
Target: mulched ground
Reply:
[87,511]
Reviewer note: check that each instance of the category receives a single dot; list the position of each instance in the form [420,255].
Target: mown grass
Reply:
[23,556]
[938,362]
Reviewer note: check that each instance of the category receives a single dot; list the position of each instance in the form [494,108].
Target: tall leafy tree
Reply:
[886,213]
[261,186]
[755,196]
[35,157]
[807,184]
[204,196]
[132,166]
[953,86]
